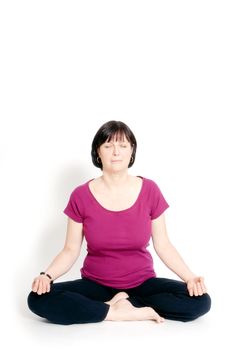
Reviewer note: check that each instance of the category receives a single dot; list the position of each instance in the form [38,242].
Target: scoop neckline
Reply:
[117,211]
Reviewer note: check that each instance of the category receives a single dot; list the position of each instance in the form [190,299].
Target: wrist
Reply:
[189,277]
[47,275]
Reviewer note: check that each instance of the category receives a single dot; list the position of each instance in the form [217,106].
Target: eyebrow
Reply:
[122,141]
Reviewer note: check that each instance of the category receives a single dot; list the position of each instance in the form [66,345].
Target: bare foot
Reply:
[117,297]
[123,310]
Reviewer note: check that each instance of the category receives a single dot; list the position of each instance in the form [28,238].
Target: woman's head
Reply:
[114,146]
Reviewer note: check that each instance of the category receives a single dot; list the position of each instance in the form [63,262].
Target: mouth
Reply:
[115,161]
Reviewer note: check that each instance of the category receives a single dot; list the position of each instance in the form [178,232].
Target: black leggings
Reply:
[82,300]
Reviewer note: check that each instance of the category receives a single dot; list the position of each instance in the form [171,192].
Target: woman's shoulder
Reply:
[151,185]
[149,181]
[80,189]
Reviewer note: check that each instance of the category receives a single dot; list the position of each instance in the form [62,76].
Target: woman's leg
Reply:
[78,301]
[170,298]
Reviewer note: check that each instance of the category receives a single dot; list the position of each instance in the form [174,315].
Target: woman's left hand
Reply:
[196,286]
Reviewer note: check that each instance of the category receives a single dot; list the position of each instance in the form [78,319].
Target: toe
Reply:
[123,295]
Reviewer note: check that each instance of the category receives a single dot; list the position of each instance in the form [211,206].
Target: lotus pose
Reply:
[118,214]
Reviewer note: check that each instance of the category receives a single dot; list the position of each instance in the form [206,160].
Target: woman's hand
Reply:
[196,286]
[41,284]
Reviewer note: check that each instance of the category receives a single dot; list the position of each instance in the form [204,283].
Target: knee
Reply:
[42,306]
[33,302]
[201,306]
[204,304]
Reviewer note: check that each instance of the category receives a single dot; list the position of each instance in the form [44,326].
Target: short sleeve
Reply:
[158,202]
[73,208]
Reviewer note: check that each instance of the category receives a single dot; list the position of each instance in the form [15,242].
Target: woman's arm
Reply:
[64,260]
[172,259]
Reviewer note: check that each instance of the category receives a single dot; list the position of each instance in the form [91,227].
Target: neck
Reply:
[115,180]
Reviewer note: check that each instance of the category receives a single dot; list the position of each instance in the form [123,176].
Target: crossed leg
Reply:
[122,310]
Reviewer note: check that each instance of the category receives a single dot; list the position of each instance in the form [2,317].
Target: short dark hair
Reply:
[106,132]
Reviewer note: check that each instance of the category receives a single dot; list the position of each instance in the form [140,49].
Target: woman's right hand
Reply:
[41,284]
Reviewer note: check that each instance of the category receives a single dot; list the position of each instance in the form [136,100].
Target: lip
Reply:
[116,160]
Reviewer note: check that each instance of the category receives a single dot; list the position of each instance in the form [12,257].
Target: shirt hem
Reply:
[125,286]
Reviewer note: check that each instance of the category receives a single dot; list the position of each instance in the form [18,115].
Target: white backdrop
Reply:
[163,68]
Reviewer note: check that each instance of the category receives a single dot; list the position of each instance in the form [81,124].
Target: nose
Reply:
[115,150]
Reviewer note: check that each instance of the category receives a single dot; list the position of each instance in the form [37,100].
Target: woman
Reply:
[118,214]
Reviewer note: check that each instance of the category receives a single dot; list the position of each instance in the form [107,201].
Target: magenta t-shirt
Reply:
[117,240]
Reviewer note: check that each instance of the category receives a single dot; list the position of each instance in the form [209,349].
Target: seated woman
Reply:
[117,213]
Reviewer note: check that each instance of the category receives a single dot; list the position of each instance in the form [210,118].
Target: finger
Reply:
[44,289]
[190,289]
[199,288]
[40,287]
[195,292]
[48,287]
[203,287]
[35,285]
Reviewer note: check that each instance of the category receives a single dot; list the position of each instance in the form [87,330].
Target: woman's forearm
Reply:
[62,263]
[172,259]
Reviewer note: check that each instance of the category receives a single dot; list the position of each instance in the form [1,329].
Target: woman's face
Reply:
[115,154]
